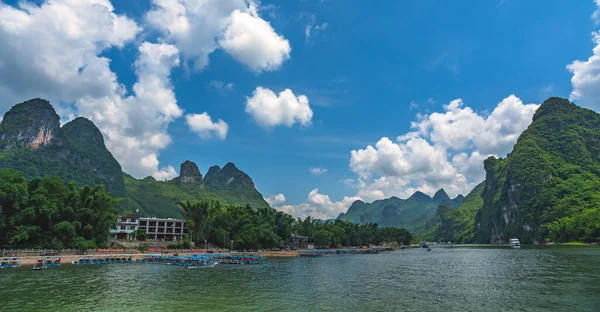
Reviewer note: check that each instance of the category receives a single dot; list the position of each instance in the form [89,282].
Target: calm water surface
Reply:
[540,279]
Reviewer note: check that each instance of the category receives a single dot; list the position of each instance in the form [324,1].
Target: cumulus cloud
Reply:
[276,200]
[318,206]
[253,42]
[317,171]
[586,78]
[270,110]
[135,126]
[203,125]
[58,43]
[445,150]
[198,28]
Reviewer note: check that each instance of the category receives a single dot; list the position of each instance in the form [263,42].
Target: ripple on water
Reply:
[555,279]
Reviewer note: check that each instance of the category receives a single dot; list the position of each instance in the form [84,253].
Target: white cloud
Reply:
[52,50]
[445,150]
[460,127]
[198,28]
[275,200]
[586,78]
[270,110]
[205,127]
[59,43]
[220,86]
[253,42]
[318,206]
[166,173]
[135,126]
[317,171]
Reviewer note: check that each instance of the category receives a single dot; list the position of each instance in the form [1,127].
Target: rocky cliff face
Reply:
[33,142]
[31,124]
[189,175]
[229,176]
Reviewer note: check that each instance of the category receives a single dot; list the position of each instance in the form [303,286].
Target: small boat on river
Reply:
[40,265]
[10,263]
[514,243]
[84,260]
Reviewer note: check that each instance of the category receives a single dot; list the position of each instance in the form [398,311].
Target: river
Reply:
[444,279]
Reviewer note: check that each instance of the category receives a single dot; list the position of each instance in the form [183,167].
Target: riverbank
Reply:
[67,259]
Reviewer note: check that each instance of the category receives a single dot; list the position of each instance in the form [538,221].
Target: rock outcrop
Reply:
[189,175]
[33,142]
[32,124]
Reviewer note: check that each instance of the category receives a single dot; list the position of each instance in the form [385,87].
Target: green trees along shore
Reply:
[267,228]
[47,213]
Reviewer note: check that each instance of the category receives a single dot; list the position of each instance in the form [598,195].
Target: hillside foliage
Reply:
[250,228]
[46,213]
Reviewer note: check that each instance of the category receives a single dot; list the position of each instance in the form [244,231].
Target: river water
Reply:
[444,279]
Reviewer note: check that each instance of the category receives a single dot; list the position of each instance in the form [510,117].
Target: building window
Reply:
[143,223]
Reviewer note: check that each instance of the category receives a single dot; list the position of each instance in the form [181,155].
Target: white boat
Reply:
[514,243]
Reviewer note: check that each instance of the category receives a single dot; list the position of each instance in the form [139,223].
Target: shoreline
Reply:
[67,259]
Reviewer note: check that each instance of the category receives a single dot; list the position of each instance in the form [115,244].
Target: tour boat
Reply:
[10,263]
[514,243]
[84,260]
[39,265]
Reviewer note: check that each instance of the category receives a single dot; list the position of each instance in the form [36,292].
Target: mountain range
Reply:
[411,213]
[32,141]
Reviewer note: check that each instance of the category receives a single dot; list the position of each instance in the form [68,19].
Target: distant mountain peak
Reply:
[419,196]
[440,196]
[32,124]
[189,175]
[228,175]
[34,142]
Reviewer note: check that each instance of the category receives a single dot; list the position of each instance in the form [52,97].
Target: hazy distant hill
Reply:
[411,213]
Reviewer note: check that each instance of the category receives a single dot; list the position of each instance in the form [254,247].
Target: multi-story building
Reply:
[167,229]
[126,225]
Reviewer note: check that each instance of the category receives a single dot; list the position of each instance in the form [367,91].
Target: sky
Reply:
[321,102]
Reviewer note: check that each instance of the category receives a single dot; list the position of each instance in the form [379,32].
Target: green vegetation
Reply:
[74,152]
[160,198]
[267,228]
[45,213]
[546,189]
[549,185]
[458,225]
[412,213]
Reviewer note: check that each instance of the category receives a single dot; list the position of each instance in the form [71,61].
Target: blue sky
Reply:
[368,69]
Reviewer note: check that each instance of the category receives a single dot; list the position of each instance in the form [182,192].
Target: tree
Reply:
[139,234]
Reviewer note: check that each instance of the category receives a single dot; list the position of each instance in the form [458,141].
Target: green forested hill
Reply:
[547,188]
[33,142]
[160,198]
[458,225]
